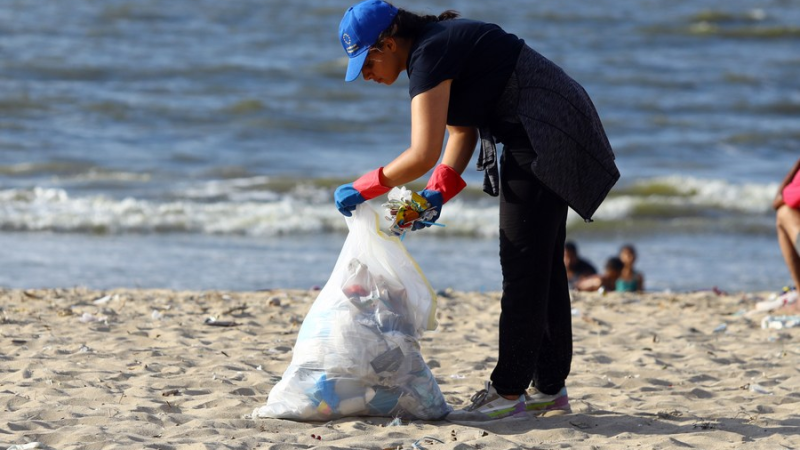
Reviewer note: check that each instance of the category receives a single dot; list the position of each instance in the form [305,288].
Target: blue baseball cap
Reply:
[360,28]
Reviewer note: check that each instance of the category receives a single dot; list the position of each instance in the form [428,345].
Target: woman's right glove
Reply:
[444,184]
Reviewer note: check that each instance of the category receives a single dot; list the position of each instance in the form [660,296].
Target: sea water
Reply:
[196,144]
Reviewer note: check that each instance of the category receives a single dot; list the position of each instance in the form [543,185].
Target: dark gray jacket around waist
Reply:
[574,157]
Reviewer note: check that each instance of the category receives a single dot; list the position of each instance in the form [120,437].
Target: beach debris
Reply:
[27,446]
[105,299]
[274,301]
[170,392]
[89,318]
[669,415]
[757,388]
[156,315]
[405,207]
[316,436]
[212,321]
[704,425]
[428,440]
[580,425]
[778,301]
[721,328]
[445,293]
[396,422]
[240,309]
[780,322]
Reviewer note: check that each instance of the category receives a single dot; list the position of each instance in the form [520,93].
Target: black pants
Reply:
[536,319]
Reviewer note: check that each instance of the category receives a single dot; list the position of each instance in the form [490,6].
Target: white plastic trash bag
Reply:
[357,352]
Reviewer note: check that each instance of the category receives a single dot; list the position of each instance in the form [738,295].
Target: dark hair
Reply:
[614,263]
[628,247]
[408,25]
[571,246]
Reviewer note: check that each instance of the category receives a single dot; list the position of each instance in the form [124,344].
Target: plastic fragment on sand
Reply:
[775,302]
[211,321]
[757,388]
[780,322]
[104,300]
[27,446]
[88,318]
[396,422]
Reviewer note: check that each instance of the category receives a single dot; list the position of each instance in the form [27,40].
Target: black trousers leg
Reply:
[536,320]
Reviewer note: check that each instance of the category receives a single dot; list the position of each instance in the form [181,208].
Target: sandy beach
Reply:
[134,368]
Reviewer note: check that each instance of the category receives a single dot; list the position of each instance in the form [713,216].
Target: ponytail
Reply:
[408,25]
[447,15]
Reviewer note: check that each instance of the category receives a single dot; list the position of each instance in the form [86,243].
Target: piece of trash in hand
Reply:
[212,321]
[405,207]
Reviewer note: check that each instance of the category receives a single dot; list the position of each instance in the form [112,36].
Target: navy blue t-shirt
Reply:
[479,57]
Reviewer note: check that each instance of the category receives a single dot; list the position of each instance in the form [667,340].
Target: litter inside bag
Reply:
[357,352]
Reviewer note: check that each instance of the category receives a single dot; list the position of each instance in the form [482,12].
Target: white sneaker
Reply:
[487,404]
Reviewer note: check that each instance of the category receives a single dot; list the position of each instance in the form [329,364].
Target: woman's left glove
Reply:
[444,184]
[350,195]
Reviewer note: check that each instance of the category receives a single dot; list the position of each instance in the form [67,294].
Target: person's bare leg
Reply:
[788,225]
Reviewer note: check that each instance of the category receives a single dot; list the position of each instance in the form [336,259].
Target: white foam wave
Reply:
[245,208]
[721,194]
[42,209]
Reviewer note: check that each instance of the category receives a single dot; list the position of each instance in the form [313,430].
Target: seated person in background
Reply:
[607,281]
[787,218]
[629,280]
[577,267]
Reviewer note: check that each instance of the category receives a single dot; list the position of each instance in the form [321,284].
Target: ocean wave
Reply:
[43,209]
[753,24]
[697,194]
[263,206]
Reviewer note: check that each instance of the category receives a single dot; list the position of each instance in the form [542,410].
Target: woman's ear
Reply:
[390,44]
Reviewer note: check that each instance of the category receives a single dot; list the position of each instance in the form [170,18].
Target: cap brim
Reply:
[354,66]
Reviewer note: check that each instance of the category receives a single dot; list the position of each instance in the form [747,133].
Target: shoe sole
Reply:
[559,403]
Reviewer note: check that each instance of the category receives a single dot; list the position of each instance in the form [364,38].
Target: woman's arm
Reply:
[778,201]
[428,122]
[461,143]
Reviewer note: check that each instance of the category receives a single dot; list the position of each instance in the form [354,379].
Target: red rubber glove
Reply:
[350,195]
[444,184]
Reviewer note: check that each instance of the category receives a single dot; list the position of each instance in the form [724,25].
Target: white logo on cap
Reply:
[346,39]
